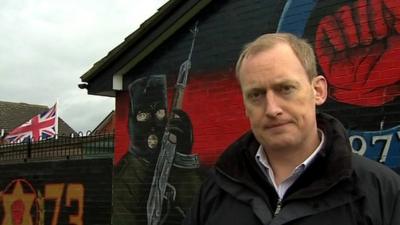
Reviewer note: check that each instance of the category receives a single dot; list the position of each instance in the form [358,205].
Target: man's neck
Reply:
[284,161]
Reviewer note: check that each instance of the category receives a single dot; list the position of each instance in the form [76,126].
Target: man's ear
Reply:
[320,88]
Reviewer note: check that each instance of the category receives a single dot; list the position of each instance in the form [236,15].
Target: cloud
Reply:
[47,45]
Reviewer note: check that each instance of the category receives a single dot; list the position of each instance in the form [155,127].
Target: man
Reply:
[295,166]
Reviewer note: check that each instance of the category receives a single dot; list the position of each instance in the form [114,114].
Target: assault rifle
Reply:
[168,155]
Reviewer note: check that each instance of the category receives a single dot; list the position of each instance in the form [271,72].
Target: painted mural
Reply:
[156,179]
[166,152]
[67,195]
[382,146]
[357,47]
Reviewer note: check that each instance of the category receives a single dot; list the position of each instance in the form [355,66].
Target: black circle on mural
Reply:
[378,110]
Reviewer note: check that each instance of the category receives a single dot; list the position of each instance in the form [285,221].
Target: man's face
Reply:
[280,99]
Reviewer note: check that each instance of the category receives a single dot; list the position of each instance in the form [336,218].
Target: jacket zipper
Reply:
[278,207]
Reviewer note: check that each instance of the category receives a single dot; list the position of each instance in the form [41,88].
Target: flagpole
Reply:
[56,108]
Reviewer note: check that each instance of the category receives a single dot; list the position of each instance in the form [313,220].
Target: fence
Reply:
[60,148]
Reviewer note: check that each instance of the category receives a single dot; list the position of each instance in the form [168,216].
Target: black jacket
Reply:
[338,188]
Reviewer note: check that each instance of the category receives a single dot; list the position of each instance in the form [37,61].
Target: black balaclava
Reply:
[147,115]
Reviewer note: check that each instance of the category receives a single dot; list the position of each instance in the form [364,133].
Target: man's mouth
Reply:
[275,125]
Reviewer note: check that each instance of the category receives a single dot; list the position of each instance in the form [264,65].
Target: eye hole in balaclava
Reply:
[147,116]
[142,116]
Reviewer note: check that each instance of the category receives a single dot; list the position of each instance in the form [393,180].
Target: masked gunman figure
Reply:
[135,177]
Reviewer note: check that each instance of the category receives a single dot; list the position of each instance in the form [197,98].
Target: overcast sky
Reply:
[46,45]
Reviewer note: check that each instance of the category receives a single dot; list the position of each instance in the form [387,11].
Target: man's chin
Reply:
[278,143]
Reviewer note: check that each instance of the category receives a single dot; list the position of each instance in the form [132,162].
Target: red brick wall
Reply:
[214,103]
[109,127]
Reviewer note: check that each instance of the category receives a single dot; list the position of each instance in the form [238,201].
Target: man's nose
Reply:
[272,105]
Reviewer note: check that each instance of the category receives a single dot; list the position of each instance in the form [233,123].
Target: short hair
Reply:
[301,48]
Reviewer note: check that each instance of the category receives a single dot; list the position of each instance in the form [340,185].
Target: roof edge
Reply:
[163,37]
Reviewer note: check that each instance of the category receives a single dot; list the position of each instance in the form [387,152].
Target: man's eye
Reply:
[255,96]
[142,116]
[287,89]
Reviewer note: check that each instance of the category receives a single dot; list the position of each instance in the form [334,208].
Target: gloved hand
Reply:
[357,49]
[181,126]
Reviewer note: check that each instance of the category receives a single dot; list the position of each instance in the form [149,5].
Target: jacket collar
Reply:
[332,165]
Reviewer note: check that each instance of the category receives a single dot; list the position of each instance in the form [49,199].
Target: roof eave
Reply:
[160,39]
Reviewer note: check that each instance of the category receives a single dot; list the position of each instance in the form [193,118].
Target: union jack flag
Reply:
[40,127]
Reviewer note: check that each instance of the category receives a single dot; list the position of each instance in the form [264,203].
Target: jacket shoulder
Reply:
[372,171]
[205,202]
[381,188]
[209,188]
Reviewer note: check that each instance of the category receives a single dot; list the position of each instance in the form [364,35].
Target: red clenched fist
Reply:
[358,49]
